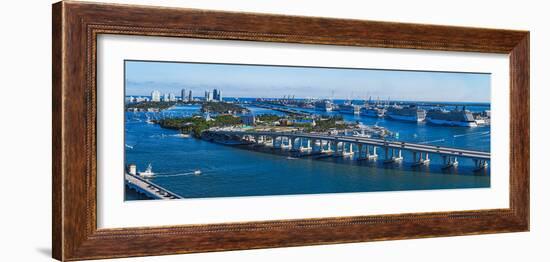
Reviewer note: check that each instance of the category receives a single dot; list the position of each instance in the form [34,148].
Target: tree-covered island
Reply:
[223,108]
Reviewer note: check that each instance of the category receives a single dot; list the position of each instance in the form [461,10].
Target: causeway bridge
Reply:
[283,109]
[361,147]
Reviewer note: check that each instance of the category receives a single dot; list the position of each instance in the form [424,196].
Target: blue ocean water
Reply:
[230,171]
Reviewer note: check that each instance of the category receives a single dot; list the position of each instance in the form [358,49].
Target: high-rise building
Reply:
[183,97]
[165,97]
[190,96]
[220,97]
[215,94]
[155,96]
[207,96]
[172,97]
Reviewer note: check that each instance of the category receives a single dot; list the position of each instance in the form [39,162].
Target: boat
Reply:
[349,108]
[406,113]
[183,135]
[149,120]
[197,172]
[455,117]
[324,105]
[148,172]
[372,111]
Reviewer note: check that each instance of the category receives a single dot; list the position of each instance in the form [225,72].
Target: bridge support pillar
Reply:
[372,155]
[399,156]
[449,161]
[308,144]
[347,151]
[420,159]
[481,164]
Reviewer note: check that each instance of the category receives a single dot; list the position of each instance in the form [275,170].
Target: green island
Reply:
[222,108]
[146,105]
[196,124]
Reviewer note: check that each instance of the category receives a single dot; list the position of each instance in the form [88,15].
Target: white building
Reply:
[172,97]
[207,96]
[155,96]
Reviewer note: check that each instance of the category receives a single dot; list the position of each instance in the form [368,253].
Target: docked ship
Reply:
[372,111]
[451,118]
[407,113]
[324,105]
[349,108]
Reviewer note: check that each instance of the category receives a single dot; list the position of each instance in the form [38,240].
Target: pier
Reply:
[148,188]
[362,147]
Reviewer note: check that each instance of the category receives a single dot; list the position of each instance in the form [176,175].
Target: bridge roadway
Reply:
[455,152]
[282,109]
[148,188]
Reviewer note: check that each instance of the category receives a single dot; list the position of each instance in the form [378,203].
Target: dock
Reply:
[148,188]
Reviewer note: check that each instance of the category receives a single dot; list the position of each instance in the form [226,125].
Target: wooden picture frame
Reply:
[76,26]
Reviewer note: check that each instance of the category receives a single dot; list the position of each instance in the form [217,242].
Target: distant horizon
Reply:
[274,82]
[301,98]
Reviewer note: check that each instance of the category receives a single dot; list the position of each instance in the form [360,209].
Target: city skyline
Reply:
[265,81]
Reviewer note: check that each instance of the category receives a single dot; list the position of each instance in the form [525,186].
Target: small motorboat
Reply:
[148,172]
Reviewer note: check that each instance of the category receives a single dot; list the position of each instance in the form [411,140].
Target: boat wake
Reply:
[432,141]
[194,173]
[473,134]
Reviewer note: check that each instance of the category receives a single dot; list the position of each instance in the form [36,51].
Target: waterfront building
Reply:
[220,97]
[165,97]
[132,170]
[190,96]
[155,96]
[183,97]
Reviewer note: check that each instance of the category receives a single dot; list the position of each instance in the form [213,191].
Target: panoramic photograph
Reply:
[203,130]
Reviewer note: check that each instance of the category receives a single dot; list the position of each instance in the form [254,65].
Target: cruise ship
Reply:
[451,118]
[408,113]
[324,105]
[372,111]
[349,108]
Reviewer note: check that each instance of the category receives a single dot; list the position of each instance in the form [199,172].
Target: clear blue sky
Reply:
[305,82]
